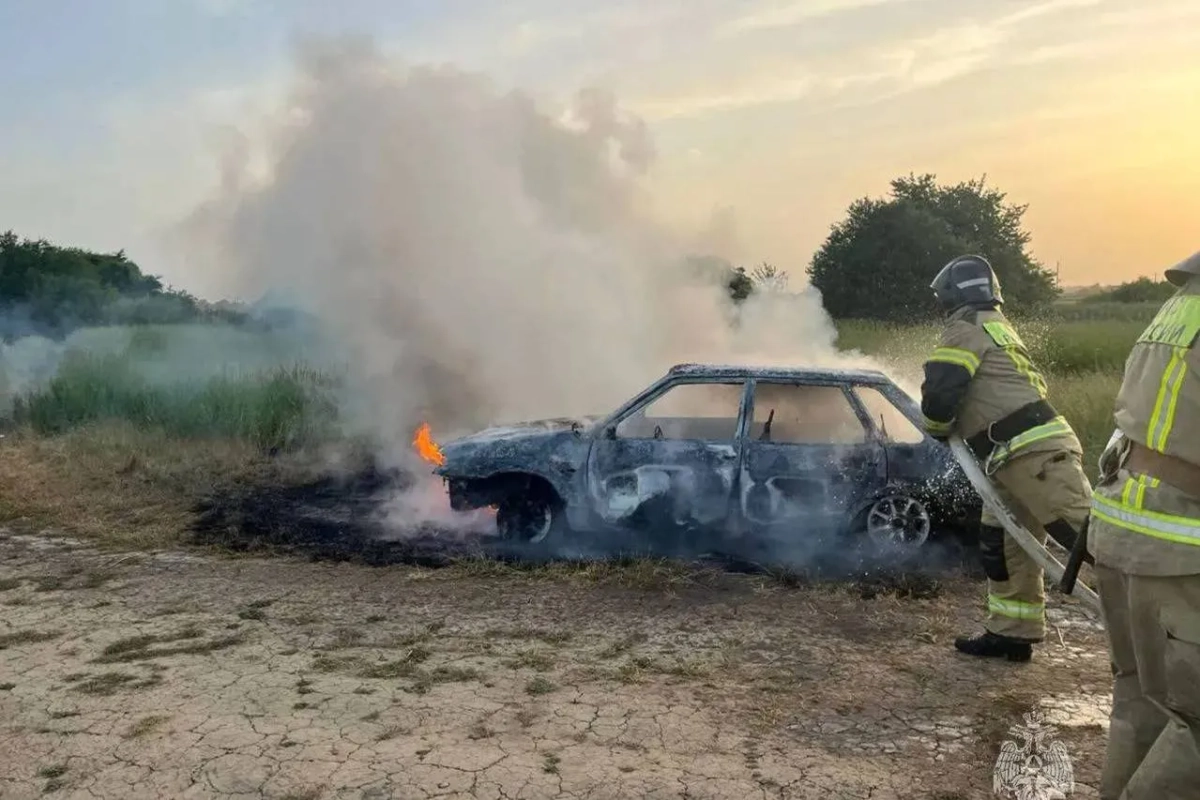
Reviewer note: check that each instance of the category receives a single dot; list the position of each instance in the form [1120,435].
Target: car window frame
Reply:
[870,433]
[891,399]
[606,431]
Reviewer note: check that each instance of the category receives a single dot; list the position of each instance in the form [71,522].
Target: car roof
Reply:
[831,374]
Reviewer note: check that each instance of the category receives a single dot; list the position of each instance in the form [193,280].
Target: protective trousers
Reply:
[1047,492]
[1154,637]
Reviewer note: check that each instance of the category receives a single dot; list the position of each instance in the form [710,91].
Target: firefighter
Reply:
[1145,539]
[981,383]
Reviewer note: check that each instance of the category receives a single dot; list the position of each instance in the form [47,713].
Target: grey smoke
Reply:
[478,258]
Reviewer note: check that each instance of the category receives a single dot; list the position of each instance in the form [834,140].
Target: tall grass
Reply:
[280,408]
[1086,400]
[1059,347]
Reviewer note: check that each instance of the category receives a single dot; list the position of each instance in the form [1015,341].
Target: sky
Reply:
[769,116]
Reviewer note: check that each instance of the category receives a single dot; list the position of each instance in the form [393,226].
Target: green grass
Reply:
[1057,347]
[278,408]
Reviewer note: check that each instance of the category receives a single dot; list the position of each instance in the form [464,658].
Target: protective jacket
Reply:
[981,383]
[1146,508]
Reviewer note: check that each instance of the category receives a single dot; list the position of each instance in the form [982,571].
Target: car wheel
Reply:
[528,518]
[899,520]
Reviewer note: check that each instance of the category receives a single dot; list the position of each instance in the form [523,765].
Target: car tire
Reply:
[532,518]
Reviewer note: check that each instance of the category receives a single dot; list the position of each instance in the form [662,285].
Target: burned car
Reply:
[722,455]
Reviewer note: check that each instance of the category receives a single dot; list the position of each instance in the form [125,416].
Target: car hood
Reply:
[522,430]
[519,446]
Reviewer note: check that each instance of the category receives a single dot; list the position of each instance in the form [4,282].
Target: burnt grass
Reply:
[334,517]
[340,518]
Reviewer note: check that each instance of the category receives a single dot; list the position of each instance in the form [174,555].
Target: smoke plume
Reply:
[477,258]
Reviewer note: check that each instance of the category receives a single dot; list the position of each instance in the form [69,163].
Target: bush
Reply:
[877,262]
[1143,290]
[1085,311]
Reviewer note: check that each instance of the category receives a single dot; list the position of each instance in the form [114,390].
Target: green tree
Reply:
[51,290]
[878,262]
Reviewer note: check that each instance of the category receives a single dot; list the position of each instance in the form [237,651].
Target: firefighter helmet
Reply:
[967,281]
[1182,272]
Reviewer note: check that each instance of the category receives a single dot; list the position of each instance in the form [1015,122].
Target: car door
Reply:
[671,459]
[809,456]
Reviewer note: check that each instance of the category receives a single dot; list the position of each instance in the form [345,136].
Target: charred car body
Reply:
[727,458]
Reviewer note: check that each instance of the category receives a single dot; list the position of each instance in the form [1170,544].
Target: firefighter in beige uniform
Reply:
[981,384]
[1145,539]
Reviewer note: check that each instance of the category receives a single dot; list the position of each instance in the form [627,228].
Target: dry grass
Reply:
[145,726]
[18,638]
[140,648]
[109,683]
[115,484]
[128,488]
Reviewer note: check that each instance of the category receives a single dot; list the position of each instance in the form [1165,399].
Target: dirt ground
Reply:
[188,674]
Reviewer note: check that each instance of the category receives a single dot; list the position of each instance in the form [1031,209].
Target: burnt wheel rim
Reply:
[538,523]
[529,523]
[899,520]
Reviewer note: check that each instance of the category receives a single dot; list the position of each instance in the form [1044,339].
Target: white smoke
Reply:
[478,258]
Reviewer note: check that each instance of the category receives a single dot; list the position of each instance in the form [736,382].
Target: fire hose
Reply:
[1028,542]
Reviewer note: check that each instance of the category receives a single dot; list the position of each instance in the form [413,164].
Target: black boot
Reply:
[992,645]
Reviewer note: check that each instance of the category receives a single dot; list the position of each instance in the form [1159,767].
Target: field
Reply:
[134,663]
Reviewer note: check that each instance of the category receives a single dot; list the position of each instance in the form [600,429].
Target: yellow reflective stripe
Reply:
[1127,492]
[1167,400]
[1005,337]
[933,426]
[1176,324]
[1181,530]
[1134,494]
[1055,427]
[955,355]
[1025,367]
[1015,609]
[1006,450]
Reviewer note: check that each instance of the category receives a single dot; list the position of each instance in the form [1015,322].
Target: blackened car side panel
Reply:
[633,483]
[805,486]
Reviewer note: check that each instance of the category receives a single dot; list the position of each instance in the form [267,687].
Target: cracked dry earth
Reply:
[178,675]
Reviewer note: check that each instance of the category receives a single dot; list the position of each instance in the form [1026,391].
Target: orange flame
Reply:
[426,447]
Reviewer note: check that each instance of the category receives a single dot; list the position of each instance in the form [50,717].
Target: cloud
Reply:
[790,14]
[755,92]
[867,73]
[1043,9]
